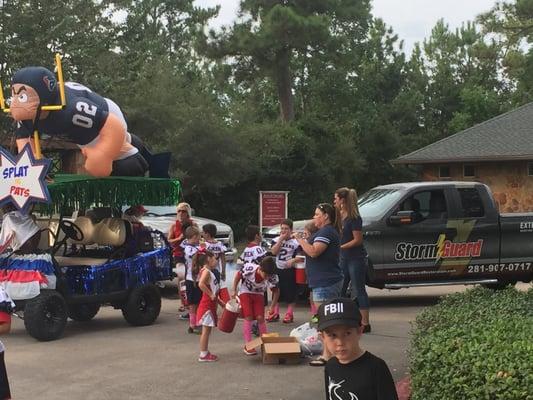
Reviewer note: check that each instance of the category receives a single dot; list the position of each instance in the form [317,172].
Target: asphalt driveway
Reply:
[108,359]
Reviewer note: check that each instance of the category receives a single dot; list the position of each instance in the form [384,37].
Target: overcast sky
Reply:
[412,20]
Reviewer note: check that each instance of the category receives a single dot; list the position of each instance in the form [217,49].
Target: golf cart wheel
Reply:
[83,312]
[45,316]
[142,306]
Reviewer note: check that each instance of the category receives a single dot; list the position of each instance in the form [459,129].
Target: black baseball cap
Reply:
[338,312]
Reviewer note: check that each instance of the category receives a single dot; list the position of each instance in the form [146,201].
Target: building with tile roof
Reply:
[497,152]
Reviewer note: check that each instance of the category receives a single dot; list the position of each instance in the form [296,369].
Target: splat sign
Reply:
[22,179]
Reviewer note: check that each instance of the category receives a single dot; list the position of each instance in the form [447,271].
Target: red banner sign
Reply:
[272,207]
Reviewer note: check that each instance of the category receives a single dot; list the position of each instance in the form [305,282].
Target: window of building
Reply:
[469,171]
[471,203]
[444,171]
[530,169]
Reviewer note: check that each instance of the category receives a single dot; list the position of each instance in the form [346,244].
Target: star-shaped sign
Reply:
[22,179]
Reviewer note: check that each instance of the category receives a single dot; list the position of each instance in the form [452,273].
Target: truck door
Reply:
[412,252]
[477,228]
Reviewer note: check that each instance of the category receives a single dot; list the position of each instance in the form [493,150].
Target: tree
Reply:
[512,26]
[32,31]
[464,79]
[264,43]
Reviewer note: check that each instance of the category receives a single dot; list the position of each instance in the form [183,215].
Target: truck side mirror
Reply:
[402,218]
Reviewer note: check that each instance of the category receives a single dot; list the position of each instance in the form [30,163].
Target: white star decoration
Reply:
[22,179]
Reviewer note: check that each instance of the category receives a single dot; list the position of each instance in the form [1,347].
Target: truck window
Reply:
[376,202]
[428,204]
[437,205]
[471,203]
[419,204]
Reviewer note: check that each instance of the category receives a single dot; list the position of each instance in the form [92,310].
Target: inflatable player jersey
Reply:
[94,123]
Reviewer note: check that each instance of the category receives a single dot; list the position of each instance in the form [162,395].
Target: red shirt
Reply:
[177,231]
[4,317]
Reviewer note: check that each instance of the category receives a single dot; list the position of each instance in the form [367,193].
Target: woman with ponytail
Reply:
[353,257]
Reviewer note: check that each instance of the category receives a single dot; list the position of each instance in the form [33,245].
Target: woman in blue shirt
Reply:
[353,257]
[324,275]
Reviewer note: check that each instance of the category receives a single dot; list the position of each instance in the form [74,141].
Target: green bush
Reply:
[474,345]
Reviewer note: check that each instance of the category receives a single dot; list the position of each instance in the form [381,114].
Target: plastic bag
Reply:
[309,339]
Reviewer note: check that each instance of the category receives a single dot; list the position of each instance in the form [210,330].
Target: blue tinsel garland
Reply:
[120,274]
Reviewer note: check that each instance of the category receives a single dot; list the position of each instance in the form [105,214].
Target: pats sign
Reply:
[22,179]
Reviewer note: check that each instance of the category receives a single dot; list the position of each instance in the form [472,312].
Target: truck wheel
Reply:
[45,316]
[142,306]
[498,286]
[83,312]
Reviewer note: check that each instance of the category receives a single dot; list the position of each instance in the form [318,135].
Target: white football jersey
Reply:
[251,282]
[286,252]
[217,248]
[189,250]
[252,253]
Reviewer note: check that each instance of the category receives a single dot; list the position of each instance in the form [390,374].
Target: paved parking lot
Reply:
[108,359]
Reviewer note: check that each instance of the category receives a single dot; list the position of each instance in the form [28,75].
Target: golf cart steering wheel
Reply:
[72,231]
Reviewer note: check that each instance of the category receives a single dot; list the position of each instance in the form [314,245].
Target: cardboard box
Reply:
[277,349]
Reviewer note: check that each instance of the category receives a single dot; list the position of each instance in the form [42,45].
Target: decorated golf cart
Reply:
[65,249]
[88,256]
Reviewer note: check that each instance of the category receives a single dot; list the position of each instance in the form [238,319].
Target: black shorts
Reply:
[288,289]
[194,294]
[134,165]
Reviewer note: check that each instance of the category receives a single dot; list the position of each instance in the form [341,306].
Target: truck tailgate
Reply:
[516,233]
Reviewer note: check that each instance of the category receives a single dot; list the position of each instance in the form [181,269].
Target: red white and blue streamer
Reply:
[23,276]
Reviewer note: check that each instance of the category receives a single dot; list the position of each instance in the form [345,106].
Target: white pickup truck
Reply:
[162,217]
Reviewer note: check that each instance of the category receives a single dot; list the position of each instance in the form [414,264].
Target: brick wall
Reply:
[509,181]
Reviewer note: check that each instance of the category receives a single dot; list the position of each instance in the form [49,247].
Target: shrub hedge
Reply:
[474,345]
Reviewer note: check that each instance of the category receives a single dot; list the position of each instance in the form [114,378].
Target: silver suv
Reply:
[162,217]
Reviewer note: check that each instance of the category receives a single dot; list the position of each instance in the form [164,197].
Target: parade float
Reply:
[64,248]
[86,255]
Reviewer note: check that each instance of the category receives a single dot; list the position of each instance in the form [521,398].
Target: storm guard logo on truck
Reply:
[436,251]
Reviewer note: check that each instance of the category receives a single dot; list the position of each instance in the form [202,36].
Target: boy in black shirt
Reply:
[352,373]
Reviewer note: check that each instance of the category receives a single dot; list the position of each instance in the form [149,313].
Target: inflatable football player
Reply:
[89,120]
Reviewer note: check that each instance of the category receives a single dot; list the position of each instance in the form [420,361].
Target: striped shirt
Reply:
[324,270]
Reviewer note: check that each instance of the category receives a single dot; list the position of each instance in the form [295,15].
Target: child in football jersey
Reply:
[205,263]
[309,229]
[285,249]
[253,250]
[191,245]
[6,308]
[216,247]
[254,280]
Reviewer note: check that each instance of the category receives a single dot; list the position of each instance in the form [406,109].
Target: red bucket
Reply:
[227,321]
[223,295]
[299,269]
[183,293]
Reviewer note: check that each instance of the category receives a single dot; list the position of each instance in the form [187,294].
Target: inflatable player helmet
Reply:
[41,80]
